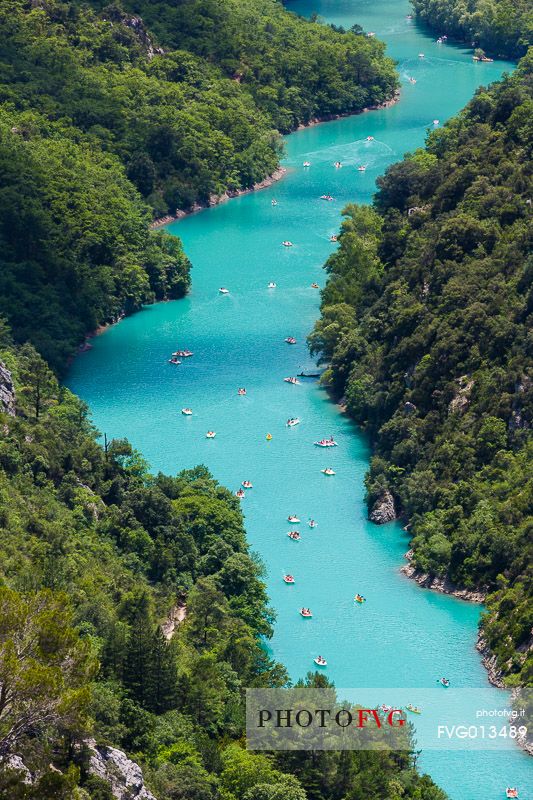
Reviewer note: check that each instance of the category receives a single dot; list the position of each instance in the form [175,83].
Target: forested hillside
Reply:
[104,126]
[500,27]
[426,324]
[95,553]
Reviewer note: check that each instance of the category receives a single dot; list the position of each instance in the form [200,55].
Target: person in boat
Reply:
[333,238]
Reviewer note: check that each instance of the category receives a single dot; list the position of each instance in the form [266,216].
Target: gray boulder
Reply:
[7,391]
[124,776]
[383,509]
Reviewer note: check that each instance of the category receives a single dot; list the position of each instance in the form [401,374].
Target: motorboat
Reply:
[315,286]
[320,661]
[326,443]
[292,422]
[210,435]
[247,485]
[333,238]
[271,285]
[359,598]
[290,340]
[306,612]
[274,202]
[444,682]
[312,523]
[370,34]
[288,578]
[412,80]
[186,411]
[292,518]
[435,122]
[183,353]
[511,792]
[241,391]
[294,381]
[240,493]
[294,535]
[307,163]
[223,290]
[361,168]
[287,243]
[328,471]
[174,360]
[370,138]
[421,55]
[326,197]
[337,165]
[409,16]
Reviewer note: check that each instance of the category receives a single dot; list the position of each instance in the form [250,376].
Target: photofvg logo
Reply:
[397,719]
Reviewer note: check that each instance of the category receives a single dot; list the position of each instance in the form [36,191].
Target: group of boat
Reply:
[326,442]
[177,354]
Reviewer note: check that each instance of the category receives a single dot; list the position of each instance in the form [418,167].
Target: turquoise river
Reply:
[403,636]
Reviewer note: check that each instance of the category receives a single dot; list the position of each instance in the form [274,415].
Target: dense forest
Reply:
[499,27]
[96,555]
[103,127]
[426,326]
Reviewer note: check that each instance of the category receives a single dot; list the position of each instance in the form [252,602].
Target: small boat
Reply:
[359,598]
[315,286]
[333,238]
[370,34]
[511,792]
[370,138]
[413,709]
[421,55]
[312,523]
[440,40]
[271,285]
[326,197]
[435,122]
[273,202]
[269,437]
[409,16]
[476,58]
[183,353]
[385,709]
[288,578]
[287,243]
[290,340]
[361,168]
[174,361]
[222,290]
[337,165]
[294,535]
[186,411]
[240,493]
[486,60]
[444,681]
[294,381]
[210,435]
[292,518]
[320,661]
[247,485]
[444,38]
[328,471]
[412,80]
[307,163]
[241,391]
[306,612]
[292,422]
[326,443]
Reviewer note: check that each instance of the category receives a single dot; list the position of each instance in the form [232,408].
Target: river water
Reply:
[403,636]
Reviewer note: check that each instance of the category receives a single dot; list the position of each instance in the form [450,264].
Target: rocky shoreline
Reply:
[278,174]
[442,585]
[216,199]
